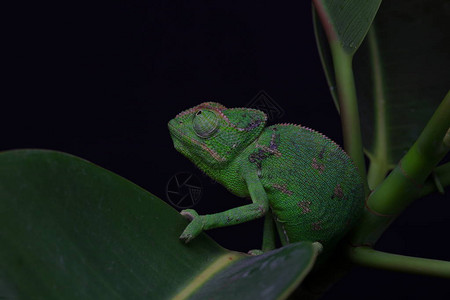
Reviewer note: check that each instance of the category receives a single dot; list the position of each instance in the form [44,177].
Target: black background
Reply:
[100,80]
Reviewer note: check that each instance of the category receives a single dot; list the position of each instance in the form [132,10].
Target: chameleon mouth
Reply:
[174,132]
[178,138]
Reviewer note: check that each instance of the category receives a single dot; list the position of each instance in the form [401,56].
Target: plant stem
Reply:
[329,75]
[366,256]
[442,173]
[377,171]
[348,107]
[404,183]
[379,164]
[391,198]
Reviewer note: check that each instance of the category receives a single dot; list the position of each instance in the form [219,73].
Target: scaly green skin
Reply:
[308,183]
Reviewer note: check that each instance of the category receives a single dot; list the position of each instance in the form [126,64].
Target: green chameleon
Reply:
[298,178]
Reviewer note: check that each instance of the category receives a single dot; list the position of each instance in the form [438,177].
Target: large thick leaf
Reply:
[402,72]
[72,230]
[347,21]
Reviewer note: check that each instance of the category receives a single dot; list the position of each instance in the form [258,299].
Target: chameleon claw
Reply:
[186,238]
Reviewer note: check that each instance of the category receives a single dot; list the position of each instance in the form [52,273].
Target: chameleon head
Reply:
[211,135]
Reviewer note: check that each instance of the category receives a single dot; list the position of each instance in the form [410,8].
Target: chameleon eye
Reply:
[205,123]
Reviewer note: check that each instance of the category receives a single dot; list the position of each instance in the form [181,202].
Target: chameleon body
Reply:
[296,175]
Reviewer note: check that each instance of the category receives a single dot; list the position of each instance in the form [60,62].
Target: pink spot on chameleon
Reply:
[316,226]
[338,192]
[304,206]
[318,166]
[283,188]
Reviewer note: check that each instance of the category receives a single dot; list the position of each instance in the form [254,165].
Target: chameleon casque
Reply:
[295,176]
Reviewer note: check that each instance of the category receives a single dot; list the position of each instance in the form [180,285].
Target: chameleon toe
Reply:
[185,238]
[189,214]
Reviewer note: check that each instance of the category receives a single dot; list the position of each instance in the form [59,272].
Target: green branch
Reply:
[368,257]
[379,163]
[404,183]
[442,173]
[398,189]
[348,106]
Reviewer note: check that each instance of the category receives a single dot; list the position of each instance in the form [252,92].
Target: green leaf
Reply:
[347,21]
[267,276]
[343,21]
[402,73]
[72,230]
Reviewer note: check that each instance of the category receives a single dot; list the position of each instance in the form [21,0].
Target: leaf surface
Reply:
[401,71]
[72,230]
[347,21]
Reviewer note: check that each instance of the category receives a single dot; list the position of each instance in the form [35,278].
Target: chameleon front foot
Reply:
[194,228]
[255,252]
